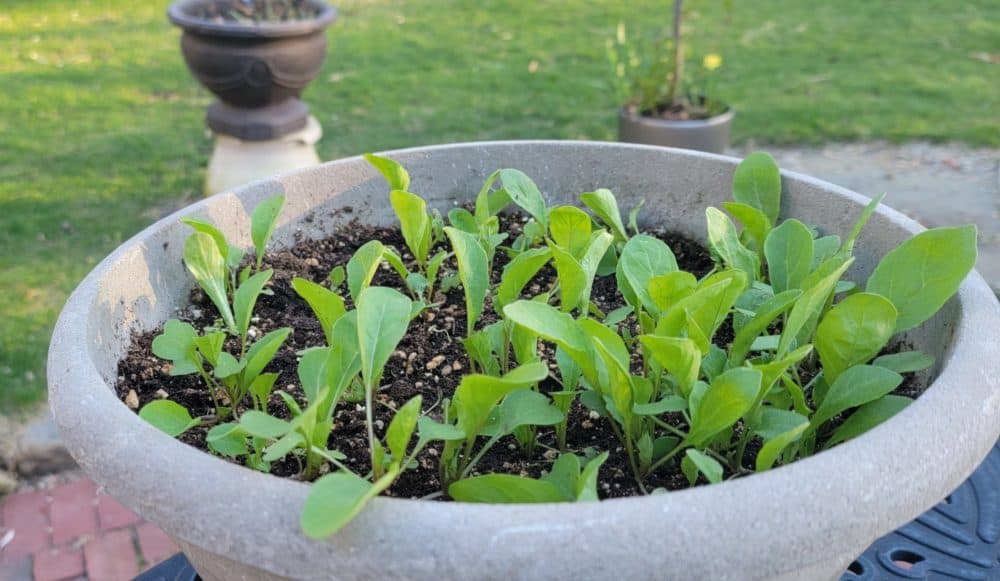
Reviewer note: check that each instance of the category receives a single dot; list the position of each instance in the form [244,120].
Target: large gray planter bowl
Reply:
[807,520]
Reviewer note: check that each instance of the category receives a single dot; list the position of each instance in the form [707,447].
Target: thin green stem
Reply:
[668,456]
[479,455]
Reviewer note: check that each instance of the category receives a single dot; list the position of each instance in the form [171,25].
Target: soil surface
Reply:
[255,11]
[429,361]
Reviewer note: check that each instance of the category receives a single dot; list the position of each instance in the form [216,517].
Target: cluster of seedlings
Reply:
[768,357]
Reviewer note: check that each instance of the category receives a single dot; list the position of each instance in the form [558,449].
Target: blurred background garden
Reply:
[102,127]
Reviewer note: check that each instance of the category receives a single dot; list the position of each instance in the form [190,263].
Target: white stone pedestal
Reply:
[235,162]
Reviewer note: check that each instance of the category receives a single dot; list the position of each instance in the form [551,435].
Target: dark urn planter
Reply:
[711,135]
[257,70]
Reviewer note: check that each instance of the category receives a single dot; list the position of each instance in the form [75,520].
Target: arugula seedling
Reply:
[565,482]
[470,413]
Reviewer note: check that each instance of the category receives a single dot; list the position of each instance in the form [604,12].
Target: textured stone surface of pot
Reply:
[807,520]
[257,70]
[711,135]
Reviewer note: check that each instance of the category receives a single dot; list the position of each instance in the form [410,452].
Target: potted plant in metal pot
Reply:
[336,356]
[256,56]
[663,103]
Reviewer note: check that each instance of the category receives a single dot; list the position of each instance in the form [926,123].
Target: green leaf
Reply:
[338,274]
[518,273]
[767,312]
[312,372]
[394,173]
[552,325]
[245,299]
[700,462]
[504,489]
[633,216]
[382,319]
[523,408]
[431,431]
[168,416]
[757,183]
[227,439]
[362,267]
[724,240]
[905,362]
[726,400]
[824,249]
[576,276]
[335,499]
[478,394]
[261,388]
[525,193]
[808,306]
[586,484]
[671,403]
[564,473]
[922,273]
[848,247]
[325,304]
[570,228]
[344,362]
[856,386]
[206,227]
[604,205]
[262,425]
[414,222]
[261,353]
[227,366]
[463,220]
[210,345]
[680,356]
[667,289]
[176,344]
[853,332]
[207,265]
[867,417]
[262,223]
[755,223]
[401,428]
[779,433]
[642,259]
[284,446]
[473,270]
[789,253]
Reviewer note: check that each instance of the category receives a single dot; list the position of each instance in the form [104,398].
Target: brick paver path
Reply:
[74,532]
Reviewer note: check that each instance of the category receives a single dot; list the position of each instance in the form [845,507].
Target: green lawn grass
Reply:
[101,126]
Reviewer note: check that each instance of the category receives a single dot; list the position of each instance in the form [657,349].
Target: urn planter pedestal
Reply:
[258,72]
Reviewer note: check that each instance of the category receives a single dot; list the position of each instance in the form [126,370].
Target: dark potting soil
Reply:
[255,11]
[429,361]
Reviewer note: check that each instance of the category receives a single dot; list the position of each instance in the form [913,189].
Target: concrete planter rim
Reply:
[720,119]
[179,15]
[95,422]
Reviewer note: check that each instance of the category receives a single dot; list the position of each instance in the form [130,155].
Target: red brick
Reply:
[27,515]
[111,514]
[57,564]
[111,556]
[73,512]
[154,544]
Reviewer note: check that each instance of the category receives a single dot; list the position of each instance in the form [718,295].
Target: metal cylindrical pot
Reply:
[257,70]
[711,135]
[807,520]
